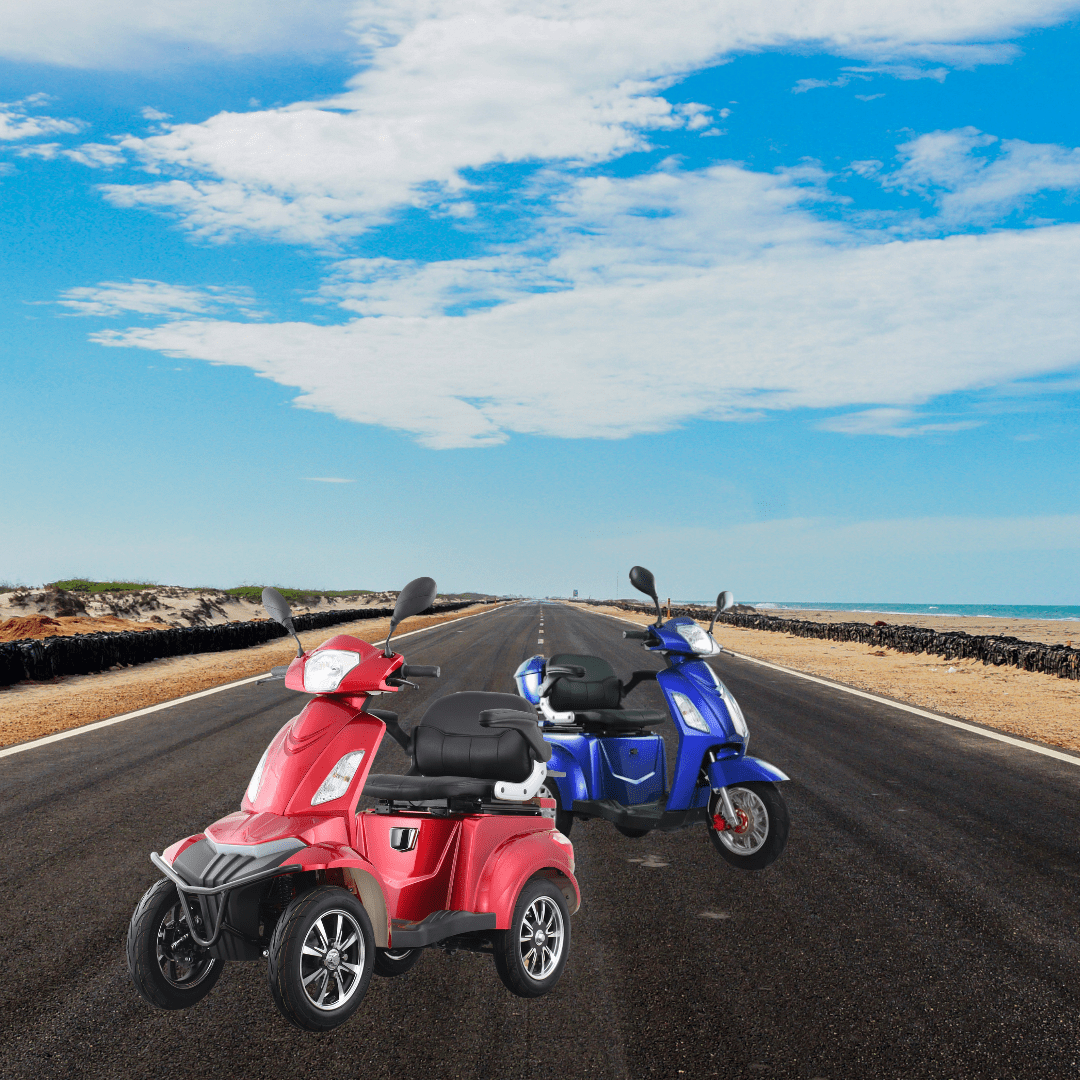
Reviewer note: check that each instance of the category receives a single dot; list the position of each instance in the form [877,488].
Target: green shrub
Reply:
[254,592]
[85,585]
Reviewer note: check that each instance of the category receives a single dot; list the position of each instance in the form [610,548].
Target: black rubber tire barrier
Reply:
[1059,660]
[42,659]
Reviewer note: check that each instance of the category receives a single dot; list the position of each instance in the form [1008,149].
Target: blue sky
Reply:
[784,300]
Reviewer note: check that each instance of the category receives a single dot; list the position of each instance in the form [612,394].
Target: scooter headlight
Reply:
[690,713]
[737,718]
[699,641]
[339,779]
[325,669]
[256,776]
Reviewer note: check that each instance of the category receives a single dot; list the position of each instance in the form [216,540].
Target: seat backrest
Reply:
[600,689]
[449,740]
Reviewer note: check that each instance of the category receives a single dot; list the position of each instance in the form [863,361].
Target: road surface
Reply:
[923,921]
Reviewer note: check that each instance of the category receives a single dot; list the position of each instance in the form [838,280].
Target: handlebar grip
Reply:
[419,671]
[636,635]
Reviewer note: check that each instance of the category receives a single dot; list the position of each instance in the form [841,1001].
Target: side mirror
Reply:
[417,596]
[643,581]
[277,607]
[724,601]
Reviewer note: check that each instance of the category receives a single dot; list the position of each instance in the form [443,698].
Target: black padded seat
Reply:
[595,699]
[620,719]
[454,756]
[415,788]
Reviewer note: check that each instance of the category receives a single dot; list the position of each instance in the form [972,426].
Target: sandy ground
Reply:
[1024,703]
[31,710]
[166,605]
[42,626]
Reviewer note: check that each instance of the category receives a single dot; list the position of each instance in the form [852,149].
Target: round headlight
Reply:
[325,669]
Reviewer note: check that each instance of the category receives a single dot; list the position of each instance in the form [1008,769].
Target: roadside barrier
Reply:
[42,659]
[1059,660]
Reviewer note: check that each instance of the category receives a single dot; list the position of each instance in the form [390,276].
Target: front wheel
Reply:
[321,957]
[168,969]
[392,962]
[530,956]
[763,825]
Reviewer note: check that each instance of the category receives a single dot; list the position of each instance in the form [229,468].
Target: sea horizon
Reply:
[1045,612]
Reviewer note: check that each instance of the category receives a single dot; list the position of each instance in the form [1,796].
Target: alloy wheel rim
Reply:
[540,937]
[177,955]
[332,960]
[757,831]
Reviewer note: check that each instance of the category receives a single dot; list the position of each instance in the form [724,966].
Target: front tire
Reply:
[530,956]
[392,962]
[764,832]
[321,958]
[564,819]
[168,969]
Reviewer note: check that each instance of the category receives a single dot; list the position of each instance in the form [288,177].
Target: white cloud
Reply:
[145,297]
[146,33]
[150,113]
[638,338]
[17,122]
[890,421]
[971,186]
[457,86]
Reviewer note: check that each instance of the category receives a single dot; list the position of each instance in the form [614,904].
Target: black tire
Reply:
[634,834]
[336,930]
[564,819]
[392,962]
[168,969]
[765,836]
[527,966]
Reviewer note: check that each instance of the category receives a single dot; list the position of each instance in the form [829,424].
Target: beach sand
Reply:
[1023,703]
[32,710]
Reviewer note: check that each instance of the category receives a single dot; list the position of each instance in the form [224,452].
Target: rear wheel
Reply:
[763,825]
[321,958]
[564,819]
[391,962]
[168,969]
[530,956]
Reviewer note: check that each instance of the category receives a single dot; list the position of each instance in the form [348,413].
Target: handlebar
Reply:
[419,671]
[638,635]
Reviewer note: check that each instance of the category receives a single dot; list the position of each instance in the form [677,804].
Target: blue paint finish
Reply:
[633,768]
[739,770]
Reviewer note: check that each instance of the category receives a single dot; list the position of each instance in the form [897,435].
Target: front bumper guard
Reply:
[183,888]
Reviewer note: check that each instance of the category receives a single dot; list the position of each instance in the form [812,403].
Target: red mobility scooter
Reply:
[459,853]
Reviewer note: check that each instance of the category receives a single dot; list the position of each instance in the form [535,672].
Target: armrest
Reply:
[527,725]
[390,719]
[554,672]
[635,678]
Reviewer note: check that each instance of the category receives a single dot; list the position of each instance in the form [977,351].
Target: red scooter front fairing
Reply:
[328,894]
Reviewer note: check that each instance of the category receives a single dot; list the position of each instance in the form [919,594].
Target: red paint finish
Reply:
[370,674]
[419,881]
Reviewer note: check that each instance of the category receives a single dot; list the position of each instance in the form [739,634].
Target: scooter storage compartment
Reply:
[417,878]
[635,768]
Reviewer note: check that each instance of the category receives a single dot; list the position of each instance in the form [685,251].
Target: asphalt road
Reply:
[923,921]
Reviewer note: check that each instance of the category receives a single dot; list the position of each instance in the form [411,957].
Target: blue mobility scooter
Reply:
[607,762]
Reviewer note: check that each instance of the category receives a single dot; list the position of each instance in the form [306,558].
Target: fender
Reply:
[571,784]
[736,770]
[363,876]
[513,863]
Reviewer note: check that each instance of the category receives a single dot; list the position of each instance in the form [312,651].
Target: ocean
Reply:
[977,611]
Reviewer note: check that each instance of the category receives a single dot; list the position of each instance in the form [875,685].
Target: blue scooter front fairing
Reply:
[608,762]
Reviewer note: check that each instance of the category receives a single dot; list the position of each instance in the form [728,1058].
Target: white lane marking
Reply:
[18,748]
[1045,750]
